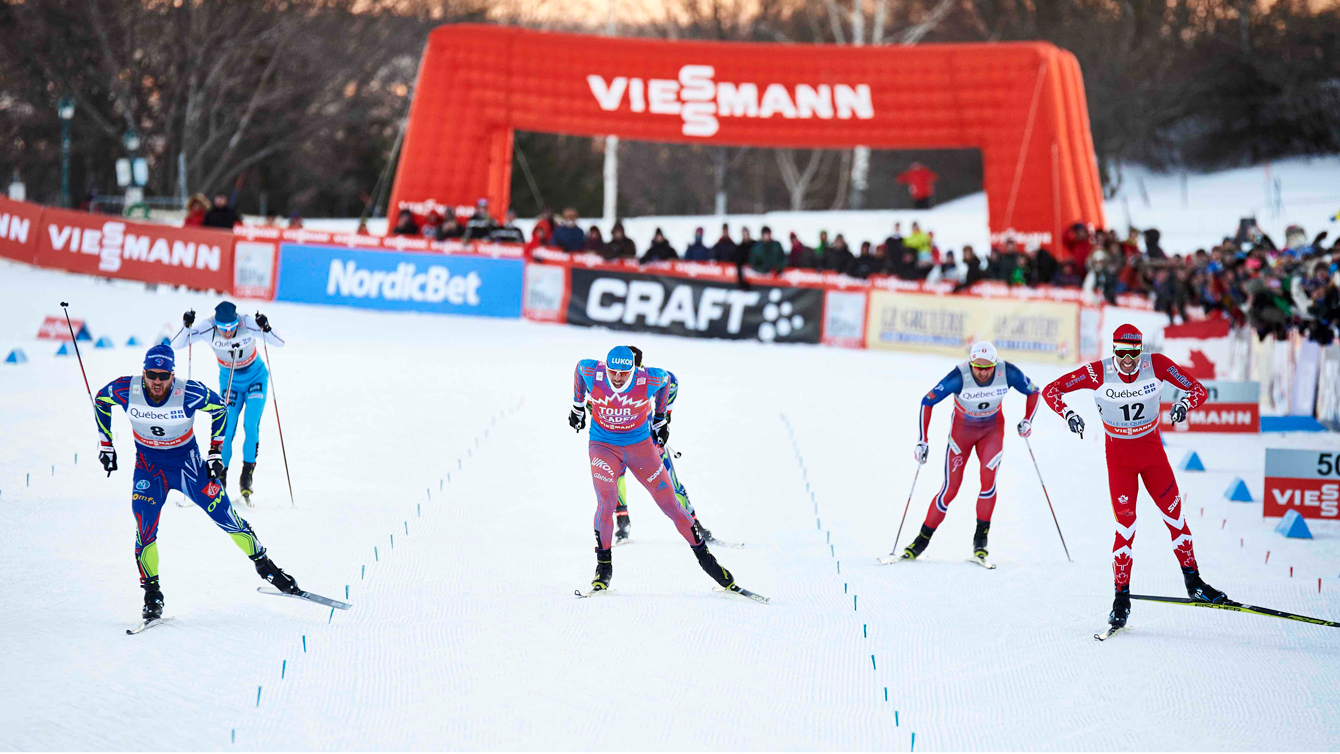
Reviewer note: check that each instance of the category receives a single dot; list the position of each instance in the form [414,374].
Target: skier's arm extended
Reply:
[1019,381]
[201,398]
[951,384]
[1166,369]
[114,393]
[1083,378]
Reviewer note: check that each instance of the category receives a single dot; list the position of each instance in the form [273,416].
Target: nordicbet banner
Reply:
[400,281]
[694,308]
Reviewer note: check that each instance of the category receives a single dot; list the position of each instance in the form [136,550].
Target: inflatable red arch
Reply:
[1022,104]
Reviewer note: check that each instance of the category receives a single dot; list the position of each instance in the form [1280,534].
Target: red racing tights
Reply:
[987,438]
[1128,462]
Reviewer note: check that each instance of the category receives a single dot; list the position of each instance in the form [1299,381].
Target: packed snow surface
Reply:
[435,476]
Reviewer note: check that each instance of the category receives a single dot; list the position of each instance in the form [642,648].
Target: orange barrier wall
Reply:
[1022,104]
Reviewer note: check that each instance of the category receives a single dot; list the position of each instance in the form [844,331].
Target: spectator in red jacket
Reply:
[1078,245]
[920,182]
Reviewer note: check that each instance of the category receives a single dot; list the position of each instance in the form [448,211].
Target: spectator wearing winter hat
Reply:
[595,241]
[697,251]
[481,223]
[405,224]
[724,249]
[839,258]
[801,257]
[766,255]
[660,249]
[620,245]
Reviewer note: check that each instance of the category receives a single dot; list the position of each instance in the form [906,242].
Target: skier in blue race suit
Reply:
[242,375]
[628,405]
[162,409]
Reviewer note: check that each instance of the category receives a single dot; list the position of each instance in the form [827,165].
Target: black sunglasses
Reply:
[157,376]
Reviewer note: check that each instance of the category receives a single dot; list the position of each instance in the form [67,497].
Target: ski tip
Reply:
[1107,633]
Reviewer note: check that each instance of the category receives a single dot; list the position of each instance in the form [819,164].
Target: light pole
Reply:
[65,109]
[134,191]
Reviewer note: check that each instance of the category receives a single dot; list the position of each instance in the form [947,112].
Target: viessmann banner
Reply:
[1022,330]
[693,308]
[437,283]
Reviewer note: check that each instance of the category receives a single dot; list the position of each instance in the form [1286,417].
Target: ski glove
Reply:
[920,453]
[214,462]
[1025,428]
[660,430]
[263,322]
[188,318]
[577,418]
[1076,423]
[1178,412]
[108,457]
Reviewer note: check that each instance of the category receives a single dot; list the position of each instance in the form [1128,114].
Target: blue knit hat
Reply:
[620,359]
[160,357]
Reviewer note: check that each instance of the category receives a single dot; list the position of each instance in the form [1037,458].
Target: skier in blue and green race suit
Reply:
[162,410]
[621,518]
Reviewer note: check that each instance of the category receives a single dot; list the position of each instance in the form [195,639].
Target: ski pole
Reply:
[905,508]
[1049,499]
[75,341]
[279,424]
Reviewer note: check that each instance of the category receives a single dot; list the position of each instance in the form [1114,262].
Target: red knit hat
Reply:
[1127,335]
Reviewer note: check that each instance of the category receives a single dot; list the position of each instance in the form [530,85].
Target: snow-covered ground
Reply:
[450,436]
[1193,213]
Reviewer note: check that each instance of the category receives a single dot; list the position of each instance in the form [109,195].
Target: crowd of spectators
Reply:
[1246,277]
[480,226]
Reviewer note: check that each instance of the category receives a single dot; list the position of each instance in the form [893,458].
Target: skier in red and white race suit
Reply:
[1127,388]
[979,386]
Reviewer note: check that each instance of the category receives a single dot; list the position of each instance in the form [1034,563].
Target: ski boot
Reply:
[622,522]
[1198,590]
[274,574]
[704,533]
[709,564]
[1121,608]
[153,600]
[979,539]
[244,481]
[604,571]
[919,544]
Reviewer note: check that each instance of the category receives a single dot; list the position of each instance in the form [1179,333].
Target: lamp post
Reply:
[134,189]
[65,109]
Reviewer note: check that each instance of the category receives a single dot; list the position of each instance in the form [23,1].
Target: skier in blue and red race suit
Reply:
[628,409]
[979,386]
[162,409]
[1128,387]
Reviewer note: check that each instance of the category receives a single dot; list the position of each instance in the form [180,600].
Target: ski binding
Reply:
[983,562]
[743,593]
[591,593]
[308,596]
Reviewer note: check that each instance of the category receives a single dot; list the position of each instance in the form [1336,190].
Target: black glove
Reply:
[108,457]
[214,462]
[660,430]
[188,318]
[1178,412]
[263,322]
[577,418]
[1076,423]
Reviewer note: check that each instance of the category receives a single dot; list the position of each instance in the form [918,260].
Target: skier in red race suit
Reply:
[1127,388]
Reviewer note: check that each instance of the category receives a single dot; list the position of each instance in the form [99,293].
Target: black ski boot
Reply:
[919,544]
[622,522]
[979,539]
[604,571]
[709,564]
[244,481]
[1198,590]
[153,599]
[1121,608]
[274,574]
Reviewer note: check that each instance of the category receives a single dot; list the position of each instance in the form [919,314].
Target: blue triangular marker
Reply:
[83,333]
[64,350]
[134,341]
[1191,462]
[1238,492]
[17,356]
[103,342]
[165,342]
[1293,526]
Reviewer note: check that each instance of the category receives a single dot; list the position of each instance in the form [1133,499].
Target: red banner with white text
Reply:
[112,247]
[18,229]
